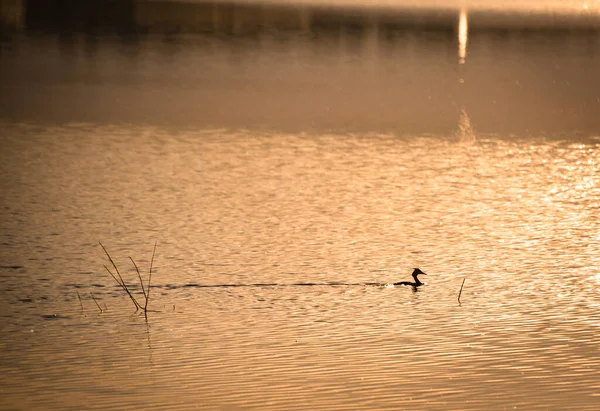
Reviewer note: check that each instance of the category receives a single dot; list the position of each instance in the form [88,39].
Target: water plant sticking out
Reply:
[461,287]
[119,279]
[96,301]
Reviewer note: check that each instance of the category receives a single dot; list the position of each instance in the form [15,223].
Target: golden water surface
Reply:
[278,175]
[516,218]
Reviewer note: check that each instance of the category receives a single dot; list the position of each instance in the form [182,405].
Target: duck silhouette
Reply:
[415,274]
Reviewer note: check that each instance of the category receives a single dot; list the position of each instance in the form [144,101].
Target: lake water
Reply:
[332,158]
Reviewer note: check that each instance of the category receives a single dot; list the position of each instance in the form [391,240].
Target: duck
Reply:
[417,283]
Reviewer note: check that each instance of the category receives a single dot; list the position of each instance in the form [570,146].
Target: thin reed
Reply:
[119,280]
[149,279]
[94,298]
[80,302]
[461,287]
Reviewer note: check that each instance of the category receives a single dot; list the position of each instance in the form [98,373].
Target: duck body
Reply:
[415,274]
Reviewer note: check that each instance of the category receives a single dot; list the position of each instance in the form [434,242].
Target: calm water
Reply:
[329,158]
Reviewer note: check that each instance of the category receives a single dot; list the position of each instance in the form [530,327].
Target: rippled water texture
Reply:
[279,173]
[516,218]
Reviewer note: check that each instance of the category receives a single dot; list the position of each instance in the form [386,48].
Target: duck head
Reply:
[416,272]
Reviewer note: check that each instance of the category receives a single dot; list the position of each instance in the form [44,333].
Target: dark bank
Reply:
[281,66]
[132,16]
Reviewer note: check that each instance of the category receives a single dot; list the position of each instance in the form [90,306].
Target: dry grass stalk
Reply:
[80,302]
[137,270]
[149,280]
[461,287]
[94,298]
[119,279]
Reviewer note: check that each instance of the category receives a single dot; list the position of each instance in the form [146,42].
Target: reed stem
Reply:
[94,298]
[149,280]
[80,302]
[461,287]
[139,276]
[120,280]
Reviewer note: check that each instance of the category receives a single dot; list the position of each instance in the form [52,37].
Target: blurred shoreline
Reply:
[248,17]
[298,68]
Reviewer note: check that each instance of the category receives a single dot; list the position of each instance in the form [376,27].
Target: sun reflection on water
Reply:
[465,130]
[463,32]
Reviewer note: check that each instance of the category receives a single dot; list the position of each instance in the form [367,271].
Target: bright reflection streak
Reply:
[465,130]
[463,31]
